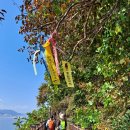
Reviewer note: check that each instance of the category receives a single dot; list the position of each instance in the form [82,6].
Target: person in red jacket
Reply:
[51,123]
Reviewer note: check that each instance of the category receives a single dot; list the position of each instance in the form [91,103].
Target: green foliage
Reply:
[122,123]
[95,38]
[35,117]
[86,118]
[78,98]
[18,123]
[41,98]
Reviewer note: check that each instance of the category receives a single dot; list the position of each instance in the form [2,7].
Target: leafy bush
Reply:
[35,117]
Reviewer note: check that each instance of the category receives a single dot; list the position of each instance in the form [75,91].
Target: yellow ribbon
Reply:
[67,73]
[50,63]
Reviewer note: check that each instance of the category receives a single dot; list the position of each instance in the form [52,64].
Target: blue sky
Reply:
[18,84]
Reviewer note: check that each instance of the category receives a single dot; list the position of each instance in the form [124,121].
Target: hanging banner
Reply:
[51,64]
[55,54]
[67,73]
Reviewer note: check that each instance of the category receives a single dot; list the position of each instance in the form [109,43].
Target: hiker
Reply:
[50,124]
[62,123]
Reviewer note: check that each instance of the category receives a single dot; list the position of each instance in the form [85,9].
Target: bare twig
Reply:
[79,42]
[72,16]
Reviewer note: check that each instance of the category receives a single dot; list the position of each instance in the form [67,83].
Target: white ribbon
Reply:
[34,62]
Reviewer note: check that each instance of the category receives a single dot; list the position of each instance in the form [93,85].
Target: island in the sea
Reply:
[9,113]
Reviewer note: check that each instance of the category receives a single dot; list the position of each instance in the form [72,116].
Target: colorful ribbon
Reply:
[42,50]
[34,62]
[67,73]
[55,52]
[51,64]
[34,57]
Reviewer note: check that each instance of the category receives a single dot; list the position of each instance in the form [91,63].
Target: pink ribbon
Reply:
[53,41]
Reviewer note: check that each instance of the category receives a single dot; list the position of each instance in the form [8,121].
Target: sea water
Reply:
[7,123]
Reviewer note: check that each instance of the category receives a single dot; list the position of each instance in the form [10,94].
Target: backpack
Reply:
[51,125]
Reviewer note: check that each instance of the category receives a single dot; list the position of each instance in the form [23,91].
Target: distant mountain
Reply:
[9,113]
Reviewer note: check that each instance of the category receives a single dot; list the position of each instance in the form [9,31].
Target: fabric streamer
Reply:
[55,52]
[51,64]
[44,62]
[34,63]
[67,73]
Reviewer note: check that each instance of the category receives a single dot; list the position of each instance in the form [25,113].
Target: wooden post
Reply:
[37,126]
[41,126]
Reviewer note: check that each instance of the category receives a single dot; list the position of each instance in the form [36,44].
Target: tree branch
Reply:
[66,13]
[47,24]
[85,24]
[96,29]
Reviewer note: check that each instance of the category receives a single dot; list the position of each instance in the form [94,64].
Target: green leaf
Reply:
[57,9]
[118,29]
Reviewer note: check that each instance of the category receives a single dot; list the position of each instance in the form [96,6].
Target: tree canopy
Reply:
[94,36]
